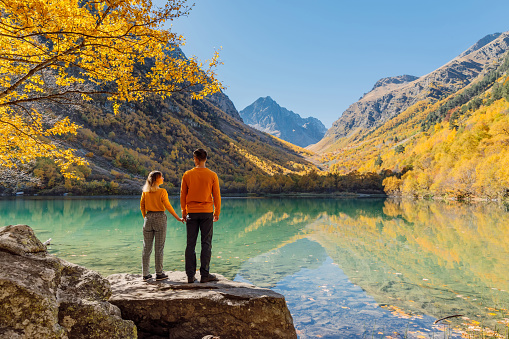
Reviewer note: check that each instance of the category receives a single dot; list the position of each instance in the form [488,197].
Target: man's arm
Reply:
[216,194]
[183,197]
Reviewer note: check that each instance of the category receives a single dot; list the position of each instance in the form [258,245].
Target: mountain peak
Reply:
[480,44]
[263,99]
[267,116]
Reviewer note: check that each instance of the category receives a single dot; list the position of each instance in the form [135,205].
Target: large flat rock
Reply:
[175,309]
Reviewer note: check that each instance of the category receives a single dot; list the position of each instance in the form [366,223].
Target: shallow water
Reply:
[357,268]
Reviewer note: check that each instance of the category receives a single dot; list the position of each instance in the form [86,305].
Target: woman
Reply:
[154,200]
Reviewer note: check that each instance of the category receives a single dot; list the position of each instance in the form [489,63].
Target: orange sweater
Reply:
[156,202]
[199,192]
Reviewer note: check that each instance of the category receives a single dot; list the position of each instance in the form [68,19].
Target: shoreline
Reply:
[296,195]
[438,198]
[342,195]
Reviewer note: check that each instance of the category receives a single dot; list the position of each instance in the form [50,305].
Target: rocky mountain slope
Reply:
[162,134]
[266,115]
[391,96]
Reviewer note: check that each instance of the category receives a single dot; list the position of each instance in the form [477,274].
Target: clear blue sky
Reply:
[318,57]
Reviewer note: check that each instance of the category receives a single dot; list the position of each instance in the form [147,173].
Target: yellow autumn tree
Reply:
[67,51]
[392,185]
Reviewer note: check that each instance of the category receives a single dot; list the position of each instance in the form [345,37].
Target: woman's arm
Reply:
[142,205]
[168,206]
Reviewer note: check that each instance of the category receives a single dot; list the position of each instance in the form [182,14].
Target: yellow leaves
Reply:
[67,80]
[22,143]
[401,313]
[86,97]
[500,126]
[33,88]
[451,136]
[62,127]
[492,174]
[104,44]
[116,107]
[469,161]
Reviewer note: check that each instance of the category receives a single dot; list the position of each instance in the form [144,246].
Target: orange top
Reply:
[199,192]
[156,202]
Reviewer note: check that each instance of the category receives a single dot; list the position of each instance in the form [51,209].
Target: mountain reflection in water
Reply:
[347,268]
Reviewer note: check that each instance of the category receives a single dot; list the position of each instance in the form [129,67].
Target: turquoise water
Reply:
[357,268]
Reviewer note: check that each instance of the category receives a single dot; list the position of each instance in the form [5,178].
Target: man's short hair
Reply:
[200,154]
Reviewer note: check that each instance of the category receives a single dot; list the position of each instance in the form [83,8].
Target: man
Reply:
[200,201]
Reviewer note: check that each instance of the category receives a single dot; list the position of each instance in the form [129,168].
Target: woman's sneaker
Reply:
[161,276]
[147,277]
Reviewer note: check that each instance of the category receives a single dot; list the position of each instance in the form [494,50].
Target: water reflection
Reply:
[435,258]
[344,266]
[268,269]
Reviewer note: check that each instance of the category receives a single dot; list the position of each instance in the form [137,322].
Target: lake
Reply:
[348,268]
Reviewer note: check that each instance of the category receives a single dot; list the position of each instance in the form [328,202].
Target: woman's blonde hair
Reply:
[150,184]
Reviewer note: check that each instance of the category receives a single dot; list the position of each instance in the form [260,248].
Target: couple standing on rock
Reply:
[200,201]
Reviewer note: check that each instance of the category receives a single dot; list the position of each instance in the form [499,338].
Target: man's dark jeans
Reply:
[199,222]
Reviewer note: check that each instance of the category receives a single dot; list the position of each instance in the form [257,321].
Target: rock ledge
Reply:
[175,309]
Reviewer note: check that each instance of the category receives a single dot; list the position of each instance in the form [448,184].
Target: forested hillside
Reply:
[454,147]
[121,149]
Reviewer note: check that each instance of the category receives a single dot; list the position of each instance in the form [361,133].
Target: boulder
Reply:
[42,296]
[175,309]
[20,240]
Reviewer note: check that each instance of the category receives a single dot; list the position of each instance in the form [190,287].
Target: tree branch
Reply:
[24,133]
[35,70]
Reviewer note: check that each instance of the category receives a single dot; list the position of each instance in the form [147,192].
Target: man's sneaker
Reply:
[161,276]
[208,278]
[147,277]
[191,280]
